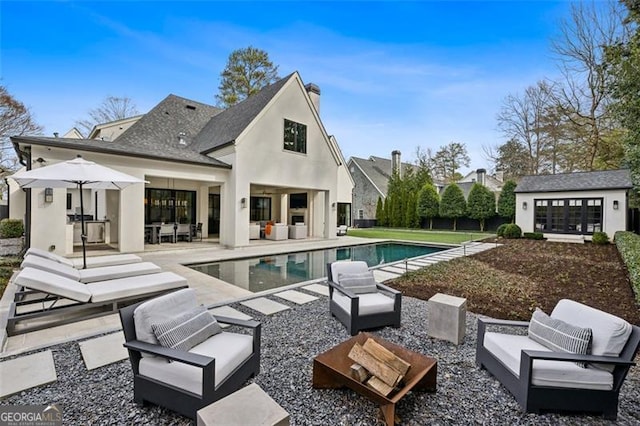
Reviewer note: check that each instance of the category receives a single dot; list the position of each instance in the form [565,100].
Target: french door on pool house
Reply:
[569,215]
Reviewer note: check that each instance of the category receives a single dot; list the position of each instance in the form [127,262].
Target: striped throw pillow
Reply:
[358,283]
[187,330]
[560,336]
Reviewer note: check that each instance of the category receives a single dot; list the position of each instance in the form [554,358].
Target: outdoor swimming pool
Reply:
[268,272]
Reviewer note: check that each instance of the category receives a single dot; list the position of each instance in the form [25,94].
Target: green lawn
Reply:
[444,237]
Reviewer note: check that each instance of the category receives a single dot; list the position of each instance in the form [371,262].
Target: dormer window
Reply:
[295,136]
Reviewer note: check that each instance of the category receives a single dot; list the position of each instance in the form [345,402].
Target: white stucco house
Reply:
[268,158]
[574,205]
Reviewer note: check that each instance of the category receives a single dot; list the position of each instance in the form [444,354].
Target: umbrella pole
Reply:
[83,236]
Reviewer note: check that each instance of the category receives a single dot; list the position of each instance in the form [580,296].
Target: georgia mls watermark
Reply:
[31,415]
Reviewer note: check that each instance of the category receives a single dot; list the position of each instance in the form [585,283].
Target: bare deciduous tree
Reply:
[15,120]
[111,109]
[585,92]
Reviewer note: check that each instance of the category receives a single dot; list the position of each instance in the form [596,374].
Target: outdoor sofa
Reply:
[44,299]
[197,363]
[542,370]
[92,262]
[358,301]
[90,275]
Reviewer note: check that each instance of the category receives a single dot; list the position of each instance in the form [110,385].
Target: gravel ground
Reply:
[290,341]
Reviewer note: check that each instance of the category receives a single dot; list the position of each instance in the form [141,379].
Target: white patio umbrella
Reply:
[76,173]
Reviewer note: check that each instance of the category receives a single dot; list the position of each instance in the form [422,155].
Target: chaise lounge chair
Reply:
[92,262]
[91,275]
[198,363]
[58,300]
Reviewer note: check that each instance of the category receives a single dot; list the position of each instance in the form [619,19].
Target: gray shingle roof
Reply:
[580,181]
[378,170]
[225,127]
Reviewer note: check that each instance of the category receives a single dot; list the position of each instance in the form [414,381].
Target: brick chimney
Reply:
[481,173]
[395,163]
[314,94]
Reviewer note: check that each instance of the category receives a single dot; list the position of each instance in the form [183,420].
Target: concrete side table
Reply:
[247,406]
[446,317]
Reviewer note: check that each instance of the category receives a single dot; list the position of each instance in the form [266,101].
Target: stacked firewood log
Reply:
[377,367]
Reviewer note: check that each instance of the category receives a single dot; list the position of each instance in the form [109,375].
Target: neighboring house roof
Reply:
[73,133]
[378,171]
[490,181]
[225,127]
[579,181]
[120,124]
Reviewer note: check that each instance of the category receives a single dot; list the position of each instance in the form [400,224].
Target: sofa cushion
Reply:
[358,283]
[230,350]
[558,335]
[610,333]
[187,330]
[161,309]
[370,303]
[508,349]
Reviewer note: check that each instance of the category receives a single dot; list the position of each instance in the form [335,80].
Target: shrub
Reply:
[500,230]
[600,238]
[512,231]
[11,228]
[628,245]
[534,235]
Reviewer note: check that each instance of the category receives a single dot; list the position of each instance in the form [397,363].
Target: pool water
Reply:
[269,272]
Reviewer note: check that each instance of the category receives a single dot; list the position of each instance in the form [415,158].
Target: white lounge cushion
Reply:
[229,350]
[91,275]
[610,333]
[139,285]
[370,303]
[161,309]
[507,348]
[92,262]
[347,267]
[46,282]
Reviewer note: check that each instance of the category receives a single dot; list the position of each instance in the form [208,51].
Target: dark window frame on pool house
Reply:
[582,216]
[169,205]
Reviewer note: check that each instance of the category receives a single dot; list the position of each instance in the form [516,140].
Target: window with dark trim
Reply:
[295,136]
[169,206]
[568,215]
[69,201]
[260,208]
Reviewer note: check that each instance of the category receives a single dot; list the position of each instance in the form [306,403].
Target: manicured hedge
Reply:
[533,235]
[512,231]
[11,228]
[628,245]
[600,238]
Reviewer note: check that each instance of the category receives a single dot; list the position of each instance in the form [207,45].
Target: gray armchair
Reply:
[167,230]
[358,308]
[542,379]
[211,370]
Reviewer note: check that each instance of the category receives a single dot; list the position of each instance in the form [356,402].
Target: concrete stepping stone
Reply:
[26,372]
[264,306]
[228,311]
[103,350]
[318,289]
[296,297]
[395,269]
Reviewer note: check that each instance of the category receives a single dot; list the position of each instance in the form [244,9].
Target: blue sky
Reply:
[393,75]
